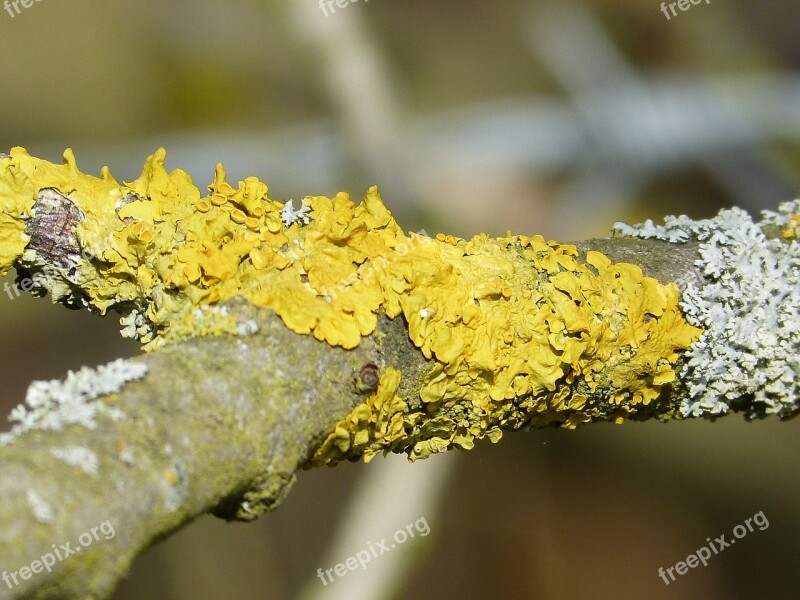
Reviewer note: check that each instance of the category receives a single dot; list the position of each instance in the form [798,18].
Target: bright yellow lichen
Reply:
[373,426]
[518,330]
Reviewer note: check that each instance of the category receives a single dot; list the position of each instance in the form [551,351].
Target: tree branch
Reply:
[218,424]
[421,345]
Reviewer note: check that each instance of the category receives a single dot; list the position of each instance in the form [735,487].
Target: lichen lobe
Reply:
[518,330]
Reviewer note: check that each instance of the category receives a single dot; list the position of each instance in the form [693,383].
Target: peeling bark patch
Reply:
[53,229]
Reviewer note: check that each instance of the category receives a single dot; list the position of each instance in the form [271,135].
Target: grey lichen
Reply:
[136,326]
[41,509]
[248,327]
[289,215]
[127,456]
[205,320]
[747,357]
[174,487]
[78,456]
[51,405]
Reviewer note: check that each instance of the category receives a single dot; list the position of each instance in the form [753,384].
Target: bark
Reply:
[219,424]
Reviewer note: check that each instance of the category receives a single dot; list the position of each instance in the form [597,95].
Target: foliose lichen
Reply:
[748,356]
[289,215]
[52,405]
[518,330]
[376,425]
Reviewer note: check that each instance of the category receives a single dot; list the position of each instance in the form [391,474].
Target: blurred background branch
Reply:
[472,116]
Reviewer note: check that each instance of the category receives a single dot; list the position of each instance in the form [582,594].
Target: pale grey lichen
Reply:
[41,509]
[213,312]
[78,456]
[289,215]
[136,326]
[675,229]
[783,216]
[748,356]
[127,456]
[175,487]
[51,405]
[249,327]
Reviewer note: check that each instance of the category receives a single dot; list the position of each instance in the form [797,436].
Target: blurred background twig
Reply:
[541,117]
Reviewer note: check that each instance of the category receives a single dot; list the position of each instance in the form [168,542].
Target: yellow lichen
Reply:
[518,329]
[371,427]
[171,477]
[792,229]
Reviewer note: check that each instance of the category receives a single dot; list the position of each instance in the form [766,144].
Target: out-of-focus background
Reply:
[554,117]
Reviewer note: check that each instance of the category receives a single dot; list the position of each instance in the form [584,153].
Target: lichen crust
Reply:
[518,330]
[79,400]
[747,357]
